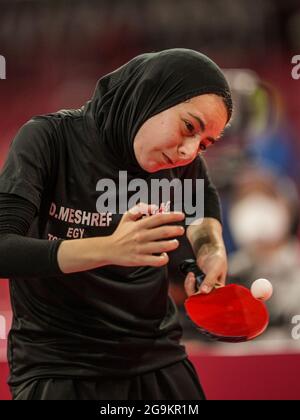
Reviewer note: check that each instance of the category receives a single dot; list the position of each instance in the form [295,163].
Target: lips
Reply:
[168,160]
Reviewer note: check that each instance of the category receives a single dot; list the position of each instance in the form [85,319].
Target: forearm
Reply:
[84,254]
[208,235]
[22,256]
[208,245]
[27,257]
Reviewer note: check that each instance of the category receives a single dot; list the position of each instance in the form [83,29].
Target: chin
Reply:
[152,170]
[152,167]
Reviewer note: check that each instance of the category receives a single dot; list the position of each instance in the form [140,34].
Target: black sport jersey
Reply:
[113,321]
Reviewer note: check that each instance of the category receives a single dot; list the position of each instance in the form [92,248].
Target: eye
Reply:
[202,148]
[189,126]
[205,144]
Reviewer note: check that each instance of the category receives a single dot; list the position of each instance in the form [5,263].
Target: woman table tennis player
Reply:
[91,314]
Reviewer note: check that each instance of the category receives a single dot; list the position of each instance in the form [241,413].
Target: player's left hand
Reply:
[213,262]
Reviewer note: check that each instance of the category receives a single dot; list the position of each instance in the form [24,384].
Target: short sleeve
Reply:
[212,202]
[28,166]
[204,195]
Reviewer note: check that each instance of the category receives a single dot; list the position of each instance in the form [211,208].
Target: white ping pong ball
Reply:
[262,289]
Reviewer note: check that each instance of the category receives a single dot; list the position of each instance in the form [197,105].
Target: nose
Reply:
[187,151]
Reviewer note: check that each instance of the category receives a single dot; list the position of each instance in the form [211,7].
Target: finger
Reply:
[153,261]
[190,284]
[223,279]
[162,219]
[164,232]
[138,211]
[159,247]
[211,280]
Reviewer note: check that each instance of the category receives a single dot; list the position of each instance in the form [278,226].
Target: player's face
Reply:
[176,136]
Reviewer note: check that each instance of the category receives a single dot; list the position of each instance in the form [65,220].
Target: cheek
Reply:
[159,141]
[157,135]
[167,139]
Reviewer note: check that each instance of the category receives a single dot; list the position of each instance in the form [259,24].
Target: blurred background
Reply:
[55,52]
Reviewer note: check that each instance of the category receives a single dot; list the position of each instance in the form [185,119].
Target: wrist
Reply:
[84,254]
[101,251]
[210,248]
[207,238]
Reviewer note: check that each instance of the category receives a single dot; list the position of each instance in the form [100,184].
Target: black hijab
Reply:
[147,85]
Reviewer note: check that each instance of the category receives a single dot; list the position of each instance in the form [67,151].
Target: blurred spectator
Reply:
[260,134]
[264,218]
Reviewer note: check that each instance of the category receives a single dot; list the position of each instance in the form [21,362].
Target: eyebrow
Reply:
[203,128]
[200,121]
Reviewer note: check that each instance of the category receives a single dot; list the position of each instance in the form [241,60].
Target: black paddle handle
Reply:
[190,266]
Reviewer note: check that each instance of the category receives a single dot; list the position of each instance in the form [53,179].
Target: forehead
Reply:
[210,108]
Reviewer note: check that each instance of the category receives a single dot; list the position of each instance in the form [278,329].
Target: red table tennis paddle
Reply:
[229,314]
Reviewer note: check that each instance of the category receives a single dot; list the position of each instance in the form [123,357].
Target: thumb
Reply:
[190,284]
